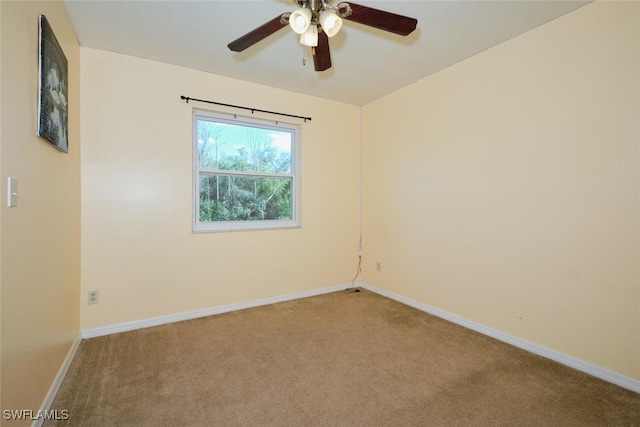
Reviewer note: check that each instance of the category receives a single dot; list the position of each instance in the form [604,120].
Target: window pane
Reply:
[226,146]
[232,198]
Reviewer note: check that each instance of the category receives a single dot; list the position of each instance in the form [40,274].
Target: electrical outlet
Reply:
[379,266]
[94,297]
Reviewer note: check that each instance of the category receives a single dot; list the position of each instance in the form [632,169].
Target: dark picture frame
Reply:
[53,82]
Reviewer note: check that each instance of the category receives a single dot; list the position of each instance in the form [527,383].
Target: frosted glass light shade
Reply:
[300,20]
[331,23]
[310,37]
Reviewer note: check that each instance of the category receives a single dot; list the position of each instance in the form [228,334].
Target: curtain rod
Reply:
[187,99]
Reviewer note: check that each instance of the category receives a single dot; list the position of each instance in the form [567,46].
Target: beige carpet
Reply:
[339,359]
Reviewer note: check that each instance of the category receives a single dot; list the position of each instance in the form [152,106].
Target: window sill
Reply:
[225,227]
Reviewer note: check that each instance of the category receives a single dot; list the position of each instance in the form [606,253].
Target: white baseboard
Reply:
[178,317]
[55,386]
[580,365]
[596,371]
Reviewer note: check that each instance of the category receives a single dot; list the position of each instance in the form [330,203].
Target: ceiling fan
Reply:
[317,20]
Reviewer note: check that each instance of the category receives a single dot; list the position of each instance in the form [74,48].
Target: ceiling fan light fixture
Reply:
[317,20]
[331,23]
[300,20]
[310,37]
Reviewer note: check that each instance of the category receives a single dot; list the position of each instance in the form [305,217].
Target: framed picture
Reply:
[53,84]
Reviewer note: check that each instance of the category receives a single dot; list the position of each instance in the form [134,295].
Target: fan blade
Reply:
[321,54]
[259,33]
[380,19]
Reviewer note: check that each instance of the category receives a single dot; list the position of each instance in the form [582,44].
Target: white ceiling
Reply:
[367,63]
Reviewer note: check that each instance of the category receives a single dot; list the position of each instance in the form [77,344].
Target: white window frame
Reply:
[218,226]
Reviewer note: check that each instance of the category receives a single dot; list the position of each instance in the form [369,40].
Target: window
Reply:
[246,173]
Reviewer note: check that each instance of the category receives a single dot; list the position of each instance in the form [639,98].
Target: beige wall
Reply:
[40,265]
[137,244]
[505,189]
[1,176]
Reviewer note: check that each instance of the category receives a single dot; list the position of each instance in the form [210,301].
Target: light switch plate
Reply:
[12,192]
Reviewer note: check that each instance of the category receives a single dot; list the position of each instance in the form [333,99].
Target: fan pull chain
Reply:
[304,56]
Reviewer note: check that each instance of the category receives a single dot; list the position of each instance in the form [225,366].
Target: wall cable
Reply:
[359,269]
